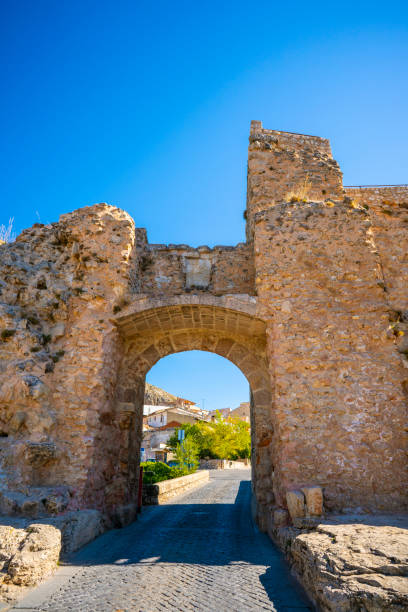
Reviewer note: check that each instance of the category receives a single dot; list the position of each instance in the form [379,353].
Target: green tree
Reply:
[186,455]
[219,439]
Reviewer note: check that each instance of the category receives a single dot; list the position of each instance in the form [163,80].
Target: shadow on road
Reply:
[202,534]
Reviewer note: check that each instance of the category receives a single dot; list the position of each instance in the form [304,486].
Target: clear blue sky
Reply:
[146,105]
[211,381]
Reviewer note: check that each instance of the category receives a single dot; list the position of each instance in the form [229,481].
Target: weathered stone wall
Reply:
[338,400]
[60,285]
[175,269]
[323,264]
[224,464]
[282,165]
[351,563]
[388,211]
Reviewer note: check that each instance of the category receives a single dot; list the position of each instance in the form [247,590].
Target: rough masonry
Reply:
[313,309]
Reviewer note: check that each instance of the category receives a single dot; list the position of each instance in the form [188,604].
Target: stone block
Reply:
[55,503]
[280,517]
[314,500]
[296,504]
[126,414]
[78,528]
[367,561]
[8,504]
[306,522]
[198,272]
[57,331]
[30,507]
[124,515]
[36,557]
[126,407]
[17,421]
[38,454]
[35,387]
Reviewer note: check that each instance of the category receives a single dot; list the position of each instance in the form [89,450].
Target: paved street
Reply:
[198,552]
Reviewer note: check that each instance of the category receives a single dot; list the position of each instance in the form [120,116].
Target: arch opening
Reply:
[194,388]
[151,334]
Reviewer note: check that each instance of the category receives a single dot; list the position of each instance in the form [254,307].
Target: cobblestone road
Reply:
[198,552]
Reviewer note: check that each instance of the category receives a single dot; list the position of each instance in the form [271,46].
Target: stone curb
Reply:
[160,492]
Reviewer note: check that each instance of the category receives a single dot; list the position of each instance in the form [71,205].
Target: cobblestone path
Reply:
[198,552]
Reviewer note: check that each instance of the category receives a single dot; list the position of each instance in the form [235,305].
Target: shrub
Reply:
[301,192]
[6,233]
[157,471]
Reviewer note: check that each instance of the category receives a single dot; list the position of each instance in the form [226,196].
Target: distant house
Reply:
[149,409]
[162,414]
[185,403]
[172,417]
[159,426]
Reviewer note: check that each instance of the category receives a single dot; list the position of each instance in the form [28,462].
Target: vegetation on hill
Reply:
[219,439]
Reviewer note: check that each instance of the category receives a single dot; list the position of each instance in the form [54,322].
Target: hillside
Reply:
[154,396]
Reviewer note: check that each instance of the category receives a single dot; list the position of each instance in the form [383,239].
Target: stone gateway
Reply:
[313,309]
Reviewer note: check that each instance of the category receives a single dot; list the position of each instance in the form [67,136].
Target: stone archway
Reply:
[152,329]
[88,305]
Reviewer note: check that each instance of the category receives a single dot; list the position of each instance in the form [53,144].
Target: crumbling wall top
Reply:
[289,139]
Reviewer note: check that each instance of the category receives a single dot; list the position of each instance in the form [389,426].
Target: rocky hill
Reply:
[154,396]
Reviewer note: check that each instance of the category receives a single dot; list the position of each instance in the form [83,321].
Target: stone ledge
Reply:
[351,563]
[77,528]
[241,302]
[30,549]
[224,464]
[160,492]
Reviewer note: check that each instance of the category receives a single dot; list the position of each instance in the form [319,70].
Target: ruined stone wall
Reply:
[388,211]
[282,165]
[59,351]
[338,405]
[323,264]
[70,423]
[175,269]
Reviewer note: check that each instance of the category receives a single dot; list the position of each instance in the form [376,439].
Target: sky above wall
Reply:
[146,105]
